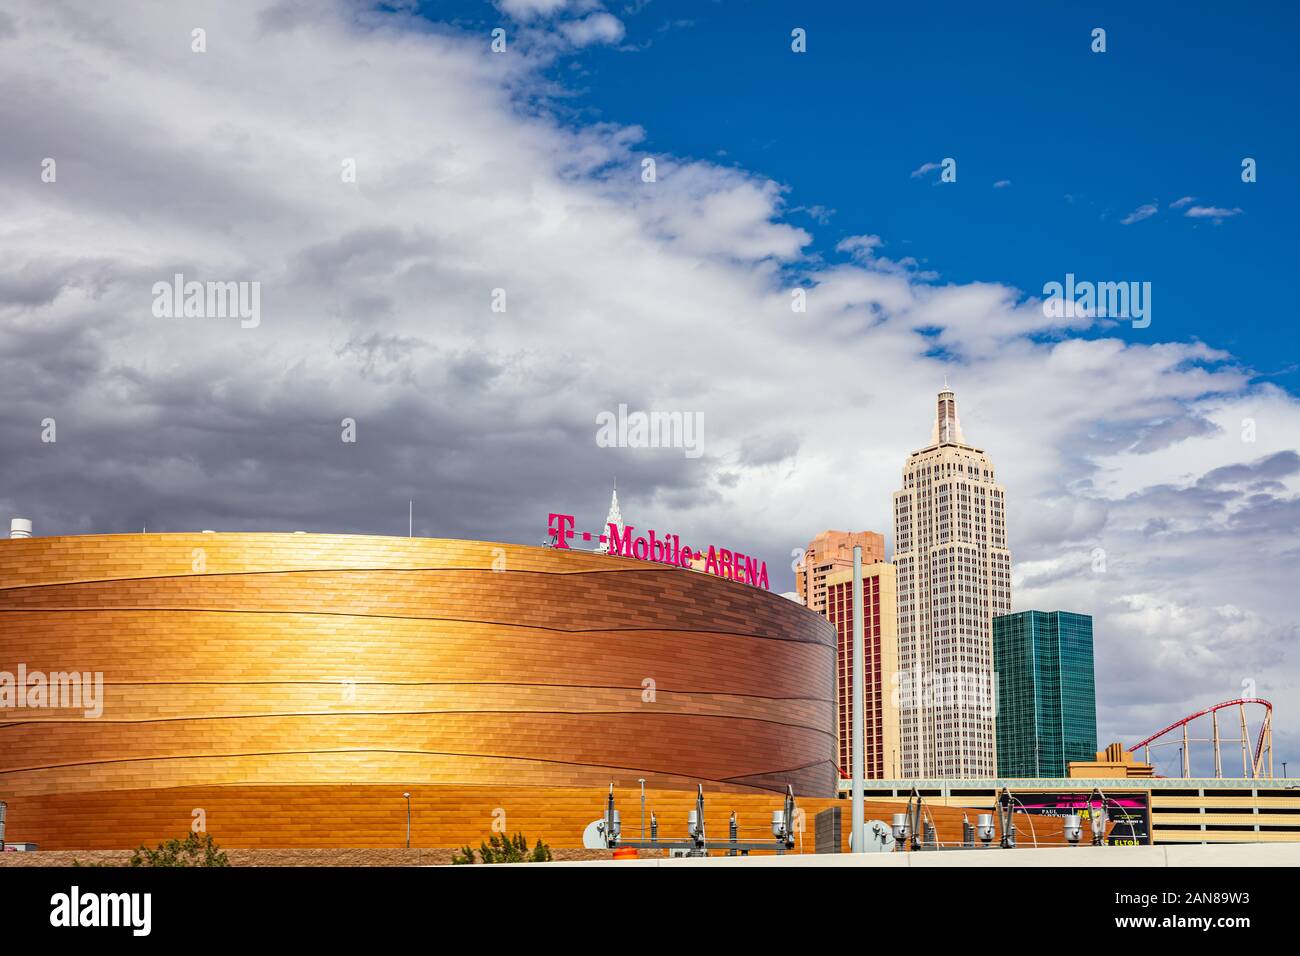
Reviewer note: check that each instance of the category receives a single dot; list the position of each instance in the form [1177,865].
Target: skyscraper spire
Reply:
[615,518]
[947,427]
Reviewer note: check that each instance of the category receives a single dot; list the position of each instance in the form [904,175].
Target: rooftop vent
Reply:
[20,528]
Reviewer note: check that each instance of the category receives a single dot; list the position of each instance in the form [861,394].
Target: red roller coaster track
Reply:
[1264,741]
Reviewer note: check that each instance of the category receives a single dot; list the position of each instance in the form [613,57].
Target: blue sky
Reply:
[1182,94]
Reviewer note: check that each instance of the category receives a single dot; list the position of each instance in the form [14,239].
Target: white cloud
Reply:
[923,169]
[1002,184]
[673,295]
[527,9]
[860,247]
[551,26]
[1217,213]
[1140,213]
[1180,203]
[597,28]
[819,213]
[863,250]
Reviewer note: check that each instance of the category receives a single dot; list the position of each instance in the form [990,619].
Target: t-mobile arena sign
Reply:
[722,562]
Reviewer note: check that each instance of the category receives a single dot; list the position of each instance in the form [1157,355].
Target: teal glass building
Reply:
[1047,702]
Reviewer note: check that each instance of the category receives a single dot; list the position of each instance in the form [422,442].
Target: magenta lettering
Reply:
[668,549]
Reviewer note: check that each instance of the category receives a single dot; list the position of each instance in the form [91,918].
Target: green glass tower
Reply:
[1047,703]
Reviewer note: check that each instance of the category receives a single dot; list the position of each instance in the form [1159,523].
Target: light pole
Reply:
[641,780]
[408,819]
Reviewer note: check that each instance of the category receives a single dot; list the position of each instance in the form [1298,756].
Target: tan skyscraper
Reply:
[830,551]
[954,576]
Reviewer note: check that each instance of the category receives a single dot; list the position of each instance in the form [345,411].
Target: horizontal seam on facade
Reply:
[403,617]
[807,766]
[648,569]
[496,711]
[434,683]
[388,750]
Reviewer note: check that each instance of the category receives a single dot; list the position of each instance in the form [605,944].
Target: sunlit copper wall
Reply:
[442,815]
[284,662]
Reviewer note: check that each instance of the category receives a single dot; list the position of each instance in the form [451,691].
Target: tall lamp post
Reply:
[408,819]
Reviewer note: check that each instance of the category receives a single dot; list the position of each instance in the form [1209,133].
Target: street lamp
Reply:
[641,780]
[408,819]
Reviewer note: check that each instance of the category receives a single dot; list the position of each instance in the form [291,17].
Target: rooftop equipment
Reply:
[607,832]
[1097,817]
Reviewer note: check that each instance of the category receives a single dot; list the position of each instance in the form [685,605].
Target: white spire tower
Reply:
[615,518]
[947,427]
[954,577]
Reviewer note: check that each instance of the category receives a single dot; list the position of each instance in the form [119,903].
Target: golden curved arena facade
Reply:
[290,687]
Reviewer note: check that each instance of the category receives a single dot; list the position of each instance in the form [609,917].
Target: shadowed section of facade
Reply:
[265,664]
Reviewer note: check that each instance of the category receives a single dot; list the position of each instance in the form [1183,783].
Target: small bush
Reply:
[504,849]
[192,851]
[466,855]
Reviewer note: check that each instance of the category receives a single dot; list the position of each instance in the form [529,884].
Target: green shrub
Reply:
[466,855]
[192,851]
[504,849]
